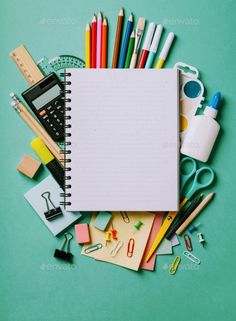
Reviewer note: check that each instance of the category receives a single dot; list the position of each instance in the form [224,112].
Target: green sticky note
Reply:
[102,220]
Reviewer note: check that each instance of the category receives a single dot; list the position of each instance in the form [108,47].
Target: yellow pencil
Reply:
[87,45]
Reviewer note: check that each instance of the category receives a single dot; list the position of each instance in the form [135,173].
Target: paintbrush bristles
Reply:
[141,23]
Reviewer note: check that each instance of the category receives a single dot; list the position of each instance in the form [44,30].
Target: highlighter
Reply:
[48,160]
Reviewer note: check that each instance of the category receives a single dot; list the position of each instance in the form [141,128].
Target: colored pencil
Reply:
[138,38]
[130,50]
[116,51]
[165,50]
[183,215]
[99,40]
[104,43]
[37,128]
[87,46]
[94,42]
[195,213]
[154,46]
[124,48]
[146,45]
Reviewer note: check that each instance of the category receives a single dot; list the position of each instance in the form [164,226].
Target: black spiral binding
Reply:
[67,187]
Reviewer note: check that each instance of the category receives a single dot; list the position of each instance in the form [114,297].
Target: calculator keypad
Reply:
[53,117]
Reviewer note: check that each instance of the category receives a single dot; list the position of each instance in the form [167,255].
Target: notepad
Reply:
[124,139]
[35,199]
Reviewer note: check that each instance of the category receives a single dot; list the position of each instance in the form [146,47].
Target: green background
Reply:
[34,285]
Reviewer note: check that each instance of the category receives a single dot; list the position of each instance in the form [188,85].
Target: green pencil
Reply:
[130,50]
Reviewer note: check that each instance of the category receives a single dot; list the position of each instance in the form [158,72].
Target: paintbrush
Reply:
[138,38]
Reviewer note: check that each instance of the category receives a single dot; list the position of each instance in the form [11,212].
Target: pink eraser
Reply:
[82,233]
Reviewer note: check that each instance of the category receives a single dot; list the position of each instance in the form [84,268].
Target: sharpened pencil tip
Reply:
[121,12]
[131,18]
[94,18]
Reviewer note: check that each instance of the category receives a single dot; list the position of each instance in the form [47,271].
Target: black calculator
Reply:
[45,98]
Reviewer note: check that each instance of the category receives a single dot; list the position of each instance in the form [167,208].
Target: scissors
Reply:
[195,174]
[196,186]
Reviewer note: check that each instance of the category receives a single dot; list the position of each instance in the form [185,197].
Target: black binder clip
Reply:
[51,213]
[60,254]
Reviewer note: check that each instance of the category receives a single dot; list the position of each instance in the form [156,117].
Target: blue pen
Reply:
[124,48]
[154,46]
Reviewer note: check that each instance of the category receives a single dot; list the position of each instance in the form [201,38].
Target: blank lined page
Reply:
[124,143]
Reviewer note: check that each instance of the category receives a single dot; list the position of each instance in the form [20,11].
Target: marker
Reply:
[146,45]
[124,48]
[99,40]
[94,42]
[49,161]
[130,50]
[154,46]
[165,50]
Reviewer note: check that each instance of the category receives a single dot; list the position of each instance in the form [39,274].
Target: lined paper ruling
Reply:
[124,140]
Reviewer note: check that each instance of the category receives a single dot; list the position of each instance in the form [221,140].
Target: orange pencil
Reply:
[104,43]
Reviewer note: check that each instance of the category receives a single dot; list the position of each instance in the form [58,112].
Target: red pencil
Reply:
[104,44]
[94,42]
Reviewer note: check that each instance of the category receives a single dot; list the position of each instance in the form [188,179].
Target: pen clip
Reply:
[138,36]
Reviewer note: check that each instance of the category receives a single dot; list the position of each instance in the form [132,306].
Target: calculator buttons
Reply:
[42,113]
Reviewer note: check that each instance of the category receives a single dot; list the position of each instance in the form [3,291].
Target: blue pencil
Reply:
[128,31]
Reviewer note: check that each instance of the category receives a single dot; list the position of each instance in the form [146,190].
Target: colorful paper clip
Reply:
[93,248]
[191,257]
[116,248]
[174,265]
[188,242]
[130,248]
[125,217]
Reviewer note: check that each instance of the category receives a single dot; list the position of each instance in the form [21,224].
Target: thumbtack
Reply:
[107,237]
[201,238]
[113,233]
[193,227]
[138,225]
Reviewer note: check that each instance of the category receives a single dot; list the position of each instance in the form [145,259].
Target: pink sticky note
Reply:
[82,233]
[150,265]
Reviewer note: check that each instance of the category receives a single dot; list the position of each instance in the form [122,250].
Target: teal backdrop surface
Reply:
[34,285]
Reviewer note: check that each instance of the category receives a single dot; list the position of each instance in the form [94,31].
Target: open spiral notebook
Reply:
[122,139]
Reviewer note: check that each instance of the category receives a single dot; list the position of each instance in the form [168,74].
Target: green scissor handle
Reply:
[186,176]
[196,186]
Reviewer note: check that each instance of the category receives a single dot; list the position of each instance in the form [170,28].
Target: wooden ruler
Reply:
[26,64]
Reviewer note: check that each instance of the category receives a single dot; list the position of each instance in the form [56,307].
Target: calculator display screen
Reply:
[46,97]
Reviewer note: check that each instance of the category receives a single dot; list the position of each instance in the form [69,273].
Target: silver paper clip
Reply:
[191,257]
[93,248]
[116,248]
[125,217]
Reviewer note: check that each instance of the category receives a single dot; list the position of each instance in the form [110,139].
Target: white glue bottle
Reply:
[202,132]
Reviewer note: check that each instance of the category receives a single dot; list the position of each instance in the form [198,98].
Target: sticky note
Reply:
[28,166]
[82,233]
[102,220]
